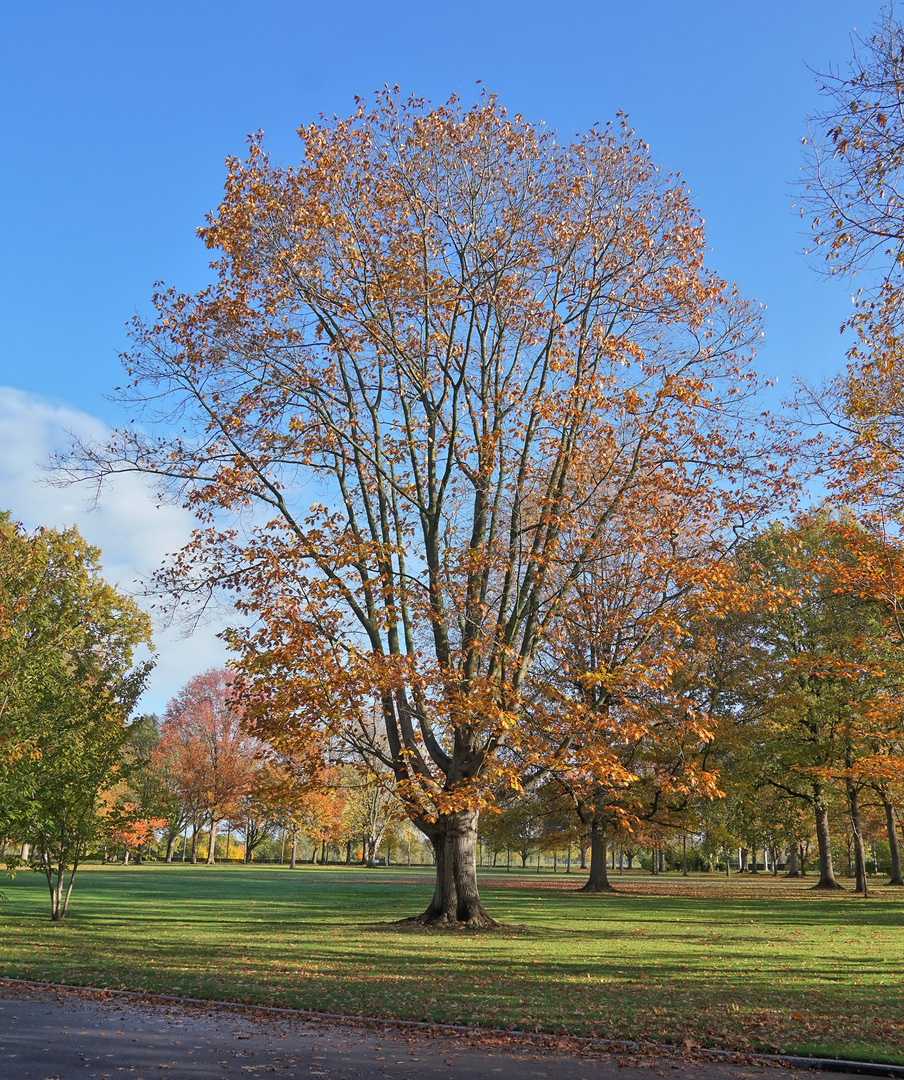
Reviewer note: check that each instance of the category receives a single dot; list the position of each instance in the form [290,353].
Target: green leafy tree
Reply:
[69,682]
[819,701]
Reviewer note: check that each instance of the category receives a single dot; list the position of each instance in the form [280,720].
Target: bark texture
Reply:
[456,899]
[212,846]
[862,885]
[827,878]
[894,844]
[599,843]
[56,883]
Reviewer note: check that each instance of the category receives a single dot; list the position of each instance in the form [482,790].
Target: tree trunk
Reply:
[824,843]
[862,885]
[599,842]
[894,843]
[294,859]
[171,846]
[212,849]
[456,900]
[195,831]
[792,862]
[56,881]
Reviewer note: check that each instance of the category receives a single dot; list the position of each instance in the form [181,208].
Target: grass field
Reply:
[744,964]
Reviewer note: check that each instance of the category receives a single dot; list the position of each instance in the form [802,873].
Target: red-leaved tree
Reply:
[212,755]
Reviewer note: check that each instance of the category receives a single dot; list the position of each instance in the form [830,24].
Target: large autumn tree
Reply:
[443,356]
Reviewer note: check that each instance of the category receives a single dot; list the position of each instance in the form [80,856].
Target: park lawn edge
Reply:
[349,903]
[552,1040]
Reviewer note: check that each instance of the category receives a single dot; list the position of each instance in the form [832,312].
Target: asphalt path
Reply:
[66,1035]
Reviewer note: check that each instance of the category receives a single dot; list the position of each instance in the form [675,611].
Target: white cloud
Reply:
[133,531]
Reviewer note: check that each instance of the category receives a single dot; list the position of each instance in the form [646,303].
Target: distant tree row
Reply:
[204,769]
[799,734]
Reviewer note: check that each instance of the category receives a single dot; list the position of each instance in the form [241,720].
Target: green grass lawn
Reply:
[745,964]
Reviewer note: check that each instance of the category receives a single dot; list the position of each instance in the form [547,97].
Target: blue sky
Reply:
[118,117]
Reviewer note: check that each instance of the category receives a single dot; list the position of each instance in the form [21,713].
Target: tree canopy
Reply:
[449,364]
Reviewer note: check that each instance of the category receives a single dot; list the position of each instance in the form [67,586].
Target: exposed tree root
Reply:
[597,887]
[429,921]
[828,886]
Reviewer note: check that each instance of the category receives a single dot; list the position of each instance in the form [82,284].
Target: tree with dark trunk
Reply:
[894,841]
[598,881]
[827,878]
[860,871]
[482,352]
